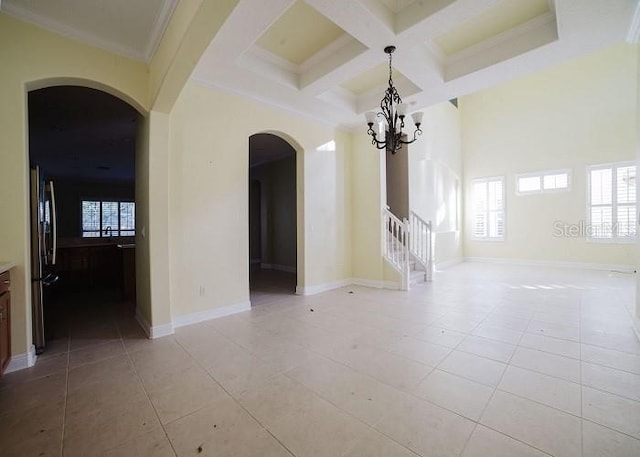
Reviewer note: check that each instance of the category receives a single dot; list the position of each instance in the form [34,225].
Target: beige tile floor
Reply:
[485,361]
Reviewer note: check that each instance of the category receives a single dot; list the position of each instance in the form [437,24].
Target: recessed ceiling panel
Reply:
[494,21]
[300,33]
[369,80]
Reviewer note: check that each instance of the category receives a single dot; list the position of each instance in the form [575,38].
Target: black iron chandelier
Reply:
[393,114]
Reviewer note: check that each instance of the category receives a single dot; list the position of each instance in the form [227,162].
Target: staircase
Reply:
[408,247]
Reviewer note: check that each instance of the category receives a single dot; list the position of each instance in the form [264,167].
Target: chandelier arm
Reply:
[374,139]
[416,134]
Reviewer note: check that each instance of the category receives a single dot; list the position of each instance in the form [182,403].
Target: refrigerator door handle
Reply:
[42,229]
[54,225]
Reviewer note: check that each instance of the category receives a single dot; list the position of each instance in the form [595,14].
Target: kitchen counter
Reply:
[94,242]
[6,266]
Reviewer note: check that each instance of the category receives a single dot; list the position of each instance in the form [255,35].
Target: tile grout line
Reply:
[144,389]
[235,400]
[350,367]
[436,367]
[495,389]
[66,396]
[475,422]
[581,380]
[317,394]
[361,421]
[410,393]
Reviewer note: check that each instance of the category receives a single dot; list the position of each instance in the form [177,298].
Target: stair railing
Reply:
[395,246]
[421,243]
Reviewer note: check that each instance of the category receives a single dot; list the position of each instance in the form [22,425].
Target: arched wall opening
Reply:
[276,248]
[89,84]
[109,183]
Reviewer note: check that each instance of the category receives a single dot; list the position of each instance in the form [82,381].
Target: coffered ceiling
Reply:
[324,58]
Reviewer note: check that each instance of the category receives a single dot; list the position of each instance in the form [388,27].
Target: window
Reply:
[612,202]
[488,204]
[108,218]
[556,181]
[545,181]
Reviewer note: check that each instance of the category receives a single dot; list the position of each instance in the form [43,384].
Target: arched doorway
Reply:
[273,218]
[82,148]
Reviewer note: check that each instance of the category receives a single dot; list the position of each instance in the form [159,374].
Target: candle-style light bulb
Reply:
[370,116]
[417,118]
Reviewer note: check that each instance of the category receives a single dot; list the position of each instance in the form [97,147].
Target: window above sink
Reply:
[108,218]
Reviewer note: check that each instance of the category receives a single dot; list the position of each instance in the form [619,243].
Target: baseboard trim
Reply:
[376,284]
[324,287]
[202,316]
[275,266]
[22,361]
[448,263]
[153,332]
[553,264]
[373,283]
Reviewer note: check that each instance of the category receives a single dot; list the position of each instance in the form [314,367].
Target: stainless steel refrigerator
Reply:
[43,249]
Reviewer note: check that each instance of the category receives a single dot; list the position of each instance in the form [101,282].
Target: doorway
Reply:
[272,218]
[82,156]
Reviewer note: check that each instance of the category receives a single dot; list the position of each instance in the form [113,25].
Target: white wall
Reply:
[435,171]
[580,113]
[208,198]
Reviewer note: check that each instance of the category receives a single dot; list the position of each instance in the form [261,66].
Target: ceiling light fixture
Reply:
[393,114]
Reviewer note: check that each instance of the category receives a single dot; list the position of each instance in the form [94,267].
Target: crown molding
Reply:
[52,25]
[159,26]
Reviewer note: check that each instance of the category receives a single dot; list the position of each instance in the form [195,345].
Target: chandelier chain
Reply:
[390,71]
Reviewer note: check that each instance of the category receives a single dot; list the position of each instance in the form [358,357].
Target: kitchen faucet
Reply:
[108,230]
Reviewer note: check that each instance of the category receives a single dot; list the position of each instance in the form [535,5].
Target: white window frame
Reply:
[615,239]
[541,175]
[504,209]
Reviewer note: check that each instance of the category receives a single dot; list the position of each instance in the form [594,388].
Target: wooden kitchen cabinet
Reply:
[5,321]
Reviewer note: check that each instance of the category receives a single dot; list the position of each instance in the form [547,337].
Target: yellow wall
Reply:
[636,320]
[152,220]
[33,58]
[368,190]
[576,114]
[208,198]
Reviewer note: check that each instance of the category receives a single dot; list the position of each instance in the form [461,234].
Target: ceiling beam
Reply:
[191,28]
